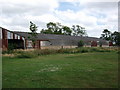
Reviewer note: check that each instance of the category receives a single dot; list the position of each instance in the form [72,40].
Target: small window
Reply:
[18,37]
[8,35]
[11,36]
[15,36]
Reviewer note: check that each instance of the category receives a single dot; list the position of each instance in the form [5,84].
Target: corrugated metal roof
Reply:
[62,39]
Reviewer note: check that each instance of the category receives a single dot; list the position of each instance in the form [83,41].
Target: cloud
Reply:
[93,15]
[19,13]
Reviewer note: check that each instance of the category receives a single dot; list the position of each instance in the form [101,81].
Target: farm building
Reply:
[45,41]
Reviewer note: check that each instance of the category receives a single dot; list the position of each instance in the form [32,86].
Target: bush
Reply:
[95,49]
[45,52]
[8,52]
[64,51]
[36,53]
[83,50]
[73,50]
[80,43]
[26,55]
[92,49]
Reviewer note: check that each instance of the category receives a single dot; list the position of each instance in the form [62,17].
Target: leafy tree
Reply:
[106,35]
[116,38]
[66,30]
[46,31]
[53,28]
[80,43]
[109,36]
[78,30]
[33,33]
[56,28]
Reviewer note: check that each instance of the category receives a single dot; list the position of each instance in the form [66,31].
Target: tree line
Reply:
[58,28]
[109,36]
[75,30]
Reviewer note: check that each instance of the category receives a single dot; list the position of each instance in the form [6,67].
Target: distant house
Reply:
[45,41]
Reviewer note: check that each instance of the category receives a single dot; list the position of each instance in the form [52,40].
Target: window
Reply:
[11,36]
[15,36]
[8,35]
[18,37]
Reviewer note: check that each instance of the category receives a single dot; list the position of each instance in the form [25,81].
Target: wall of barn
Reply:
[0,38]
[5,36]
[57,47]
[28,44]
[49,45]
[4,39]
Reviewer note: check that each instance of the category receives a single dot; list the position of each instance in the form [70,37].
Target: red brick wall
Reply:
[4,39]
[4,44]
[93,44]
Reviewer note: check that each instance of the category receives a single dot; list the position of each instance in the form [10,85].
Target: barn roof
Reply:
[61,38]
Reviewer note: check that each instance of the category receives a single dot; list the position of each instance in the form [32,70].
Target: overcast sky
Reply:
[94,15]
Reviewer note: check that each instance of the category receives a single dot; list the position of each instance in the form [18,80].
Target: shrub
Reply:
[92,49]
[83,50]
[45,52]
[26,55]
[95,49]
[72,50]
[80,43]
[35,53]
[100,44]
[7,52]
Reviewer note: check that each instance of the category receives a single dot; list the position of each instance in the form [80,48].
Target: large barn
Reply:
[45,41]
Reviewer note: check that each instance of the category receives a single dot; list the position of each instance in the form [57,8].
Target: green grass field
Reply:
[83,70]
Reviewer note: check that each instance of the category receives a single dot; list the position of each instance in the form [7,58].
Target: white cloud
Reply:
[15,15]
[76,18]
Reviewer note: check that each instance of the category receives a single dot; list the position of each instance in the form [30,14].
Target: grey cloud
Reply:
[24,9]
[102,5]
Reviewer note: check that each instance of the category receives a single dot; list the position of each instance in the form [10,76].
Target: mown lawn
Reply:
[83,70]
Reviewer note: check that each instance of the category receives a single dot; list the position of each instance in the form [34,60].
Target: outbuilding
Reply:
[20,40]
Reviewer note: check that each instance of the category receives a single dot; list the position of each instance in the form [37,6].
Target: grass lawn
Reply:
[83,70]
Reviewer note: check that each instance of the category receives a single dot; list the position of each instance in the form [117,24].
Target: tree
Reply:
[106,35]
[80,43]
[33,34]
[56,28]
[66,30]
[113,37]
[53,28]
[78,30]
[46,31]
[116,38]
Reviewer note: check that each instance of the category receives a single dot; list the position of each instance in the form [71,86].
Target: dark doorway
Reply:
[15,44]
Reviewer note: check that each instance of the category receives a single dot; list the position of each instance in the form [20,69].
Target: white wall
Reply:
[45,43]
[29,44]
